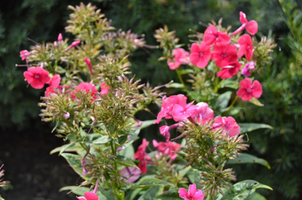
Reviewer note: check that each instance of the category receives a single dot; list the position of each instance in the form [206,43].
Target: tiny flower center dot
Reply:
[37,76]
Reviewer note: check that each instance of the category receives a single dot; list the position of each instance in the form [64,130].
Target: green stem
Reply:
[181,80]
[232,104]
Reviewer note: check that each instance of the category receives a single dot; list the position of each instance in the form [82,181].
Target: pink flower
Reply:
[60,37]
[181,112]
[37,77]
[104,88]
[191,194]
[246,46]
[203,113]
[74,44]
[180,57]
[224,55]
[212,36]
[249,89]
[228,124]
[246,71]
[165,130]
[89,88]
[250,26]
[89,196]
[229,70]
[167,148]
[88,62]
[200,55]
[24,54]
[142,156]
[131,174]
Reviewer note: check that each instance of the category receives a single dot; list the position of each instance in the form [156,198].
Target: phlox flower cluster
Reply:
[191,194]
[217,47]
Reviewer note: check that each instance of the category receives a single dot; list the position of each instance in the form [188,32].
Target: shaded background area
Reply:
[25,141]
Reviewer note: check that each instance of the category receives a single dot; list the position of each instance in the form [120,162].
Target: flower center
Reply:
[249,90]
[200,54]
[37,76]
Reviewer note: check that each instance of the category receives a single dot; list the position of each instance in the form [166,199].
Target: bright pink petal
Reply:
[55,81]
[256,89]
[91,196]
[252,27]
[192,189]
[183,193]
[242,17]
[244,94]
[246,83]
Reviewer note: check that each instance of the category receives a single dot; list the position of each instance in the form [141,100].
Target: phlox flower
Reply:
[181,112]
[89,196]
[200,54]
[229,70]
[74,44]
[168,104]
[24,54]
[167,148]
[88,62]
[104,88]
[212,36]
[245,46]
[60,37]
[89,88]
[131,174]
[228,125]
[37,77]
[180,57]
[224,55]
[246,71]
[191,194]
[250,26]
[142,156]
[203,113]
[249,89]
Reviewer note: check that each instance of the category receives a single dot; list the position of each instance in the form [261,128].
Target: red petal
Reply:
[252,27]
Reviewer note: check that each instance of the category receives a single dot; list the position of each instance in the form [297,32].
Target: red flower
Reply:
[24,54]
[89,196]
[212,36]
[246,46]
[249,90]
[88,62]
[180,57]
[200,55]
[37,77]
[250,26]
[142,156]
[224,55]
[89,88]
[203,113]
[191,194]
[104,88]
[228,124]
[229,70]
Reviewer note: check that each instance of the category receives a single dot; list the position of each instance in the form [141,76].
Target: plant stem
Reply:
[181,80]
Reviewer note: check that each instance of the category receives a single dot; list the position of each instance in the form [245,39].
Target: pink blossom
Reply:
[224,55]
[180,57]
[229,70]
[104,88]
[181,112]
[89,196]
[24,55]
[37,77]
[88,62]
[228,125]
[191,194]
[89,88]
[212,36]
[200,54]
[74,44]
[165,130]
[131,174]
[167,148]
[203,113]
[250,26]
[249,89]
[246,46]
[142,156]
[246,71]
[60,37]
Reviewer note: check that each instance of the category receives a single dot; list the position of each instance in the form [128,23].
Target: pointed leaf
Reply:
[122,160]
[256,102]
[248,127]
[175,85]
[247,158]
[75,162]
[151,193]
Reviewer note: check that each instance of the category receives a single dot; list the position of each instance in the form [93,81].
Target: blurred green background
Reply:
[22,21]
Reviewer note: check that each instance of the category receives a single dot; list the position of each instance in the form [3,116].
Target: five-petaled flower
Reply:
[250,26]
[191,194]
[37,77]
[200,54]
[142,156]
[245,46]
[249,89]
[212,36]
[180,57]
[167,148]
[89,88]
[228,125]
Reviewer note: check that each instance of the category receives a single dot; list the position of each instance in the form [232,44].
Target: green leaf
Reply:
[256,196]
[223,101]
[127,152]
[80,191]
[75,162]
[1,198]
[122,160]
[247,158]
[133,193]
[146,182]
[248,127]
[186,71]
[256,102]
[62,148]
[175,85]
[151,192]
[169,195]
[108,194]
[242,190]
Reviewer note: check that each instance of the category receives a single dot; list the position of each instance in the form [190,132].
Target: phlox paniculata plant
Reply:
[93,99]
